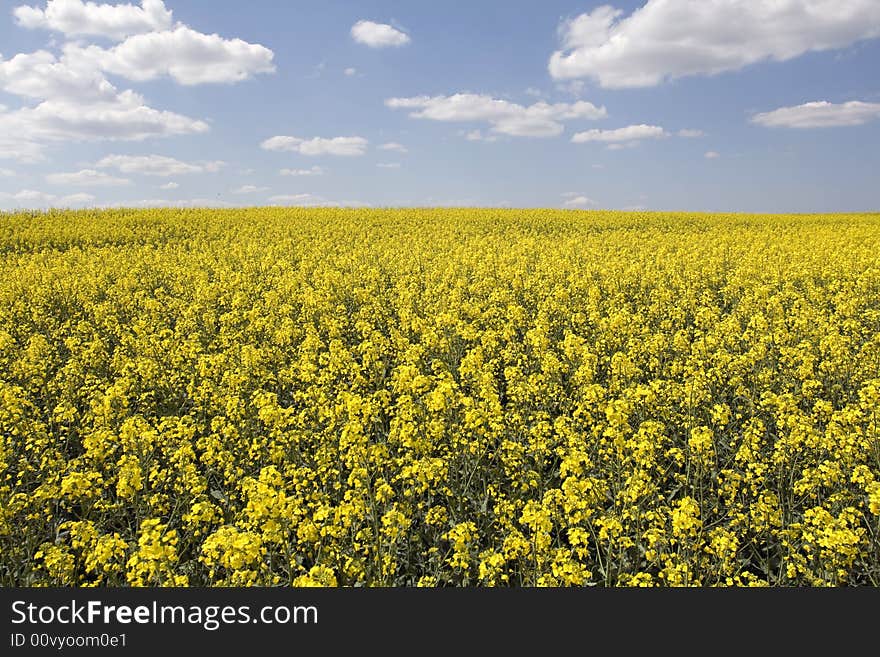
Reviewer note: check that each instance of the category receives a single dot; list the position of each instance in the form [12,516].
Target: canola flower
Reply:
[323,397]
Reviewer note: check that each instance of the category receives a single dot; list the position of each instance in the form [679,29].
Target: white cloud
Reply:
[621,145]
[311,171]
[86,178]
[477,135]
[309,200]
[76,102]
[820,114]
[350,71]
[78,18]
[577,200]
[293,199]
[156,165]
[378,35]
[79,103]
[27,130]
[13,148]
[687,133]
[29,198]
[76,199]
[187,56]
[43,76]
[393,146]
[463,203]
[597,166]
[169,186]
[388,165]
[343,146]
[667,39]
[178,203]
[538,120]
[711,155]
[158,49]
[126,117]
[249,189]
[627,137]
[6,173]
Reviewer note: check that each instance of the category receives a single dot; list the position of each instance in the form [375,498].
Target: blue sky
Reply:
[715,105]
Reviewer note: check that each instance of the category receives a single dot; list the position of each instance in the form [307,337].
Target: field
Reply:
[438,397]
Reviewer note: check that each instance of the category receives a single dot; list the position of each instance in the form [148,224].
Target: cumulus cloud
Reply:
[15,148]
[378,35]
[576,200]
[393,146]
[177,203]
[126,117]
[76,199]
[619,146]
[350,71]
[388,165]
[311,171]
[711,155]
[169,186]
[249,189]
[77,18]
[186,56]
[6,173]
[76,103]
[74,99]
[156,165]
[342,146]
[618,138]
[29,198]
[309,200]
[820,114]
[667,39]
[150,46]
[538,120]
[41,75]
[293,199]
[86,178]
[477,135]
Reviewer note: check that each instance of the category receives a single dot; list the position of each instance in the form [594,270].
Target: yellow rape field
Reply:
[319,397]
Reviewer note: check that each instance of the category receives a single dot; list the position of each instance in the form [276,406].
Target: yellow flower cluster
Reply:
[321,397]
